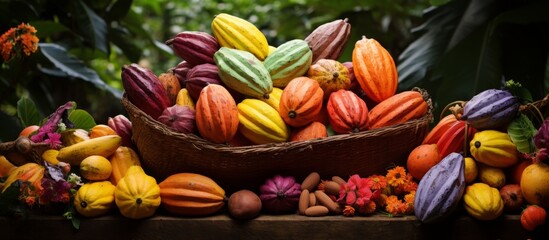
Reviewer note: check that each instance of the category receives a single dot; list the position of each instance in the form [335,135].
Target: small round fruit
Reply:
[244,205]
[421,159]
[471,170]
[27,131]
[493,176]
[95,168]
[512,198]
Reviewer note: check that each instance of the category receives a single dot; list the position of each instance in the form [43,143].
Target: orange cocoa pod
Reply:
[100,130]
[216,114]
[301,101]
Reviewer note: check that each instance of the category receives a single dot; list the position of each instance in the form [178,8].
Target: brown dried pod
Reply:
[328,40]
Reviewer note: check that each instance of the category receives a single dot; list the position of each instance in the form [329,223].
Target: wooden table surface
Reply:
[222,226]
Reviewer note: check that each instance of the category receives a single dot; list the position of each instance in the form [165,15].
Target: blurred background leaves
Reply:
[451,48]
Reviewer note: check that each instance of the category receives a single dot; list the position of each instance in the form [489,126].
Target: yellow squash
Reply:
[494,148]
[94,198]
[137,194]
[482,201]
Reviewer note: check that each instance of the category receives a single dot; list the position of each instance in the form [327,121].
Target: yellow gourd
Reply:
[94,199]
[482,201]
[494,148]
[137,194]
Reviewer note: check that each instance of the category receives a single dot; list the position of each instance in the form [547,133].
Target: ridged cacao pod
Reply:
[195,47]
[290,60]
[184,99]
[331,75]
[137,195]
[28,172]
[347,112]
[482,201]
[312,131]
[100,130]
[399,108]
[94,198]
[491,109]
[181,119]
[244,73]
[261,123]
[280,194]
[237,33]
[144,90]
[123,127]
[455,137]
[375,69]
[121,160]
[200,76]
[181,70]
[328,40]
[494,148]
[216,114]
[439,129]
[440,190]
[191,194]
[301,101]
[171,84]
[274,98]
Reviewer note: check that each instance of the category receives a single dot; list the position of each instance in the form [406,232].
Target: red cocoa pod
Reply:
[180,71]
[201,75]
[195,47]
[144,90]
[123,127]
[179,118]
[328,40]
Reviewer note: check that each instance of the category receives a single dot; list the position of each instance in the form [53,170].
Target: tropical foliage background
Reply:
[453,49]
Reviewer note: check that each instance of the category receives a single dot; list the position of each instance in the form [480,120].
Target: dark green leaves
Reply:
[27,112]
[92,27]
[72,67]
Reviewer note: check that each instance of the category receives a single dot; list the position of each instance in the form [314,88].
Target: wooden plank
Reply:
[267,227]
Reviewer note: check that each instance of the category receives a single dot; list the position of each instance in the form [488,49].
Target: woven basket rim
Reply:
[203,144]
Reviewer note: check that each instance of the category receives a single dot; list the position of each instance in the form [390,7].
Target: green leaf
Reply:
[118,9]
[91,26]
[81,119]
[519,91]
[27,112]
[46,28]
[73,67]
[521,130]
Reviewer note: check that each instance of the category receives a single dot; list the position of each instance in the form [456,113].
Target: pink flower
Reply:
[54,139]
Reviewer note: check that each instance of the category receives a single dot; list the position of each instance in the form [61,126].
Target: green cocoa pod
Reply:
[290,60]
[243,72]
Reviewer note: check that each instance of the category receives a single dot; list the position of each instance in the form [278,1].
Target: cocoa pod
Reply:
[328,40]
[180,71]
[201,75]
[123,127]
[171,84]
[144,90]
[195,47]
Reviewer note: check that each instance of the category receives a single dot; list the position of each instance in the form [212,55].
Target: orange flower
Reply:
[409,200]
[378,182]
[368,208]
[18,40]
[396,176]
[348,211]
[395,206]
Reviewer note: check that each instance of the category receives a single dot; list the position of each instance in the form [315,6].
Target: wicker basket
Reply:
[165,152]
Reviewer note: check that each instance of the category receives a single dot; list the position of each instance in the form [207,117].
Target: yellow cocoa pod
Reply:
[261,123]
[95,168]
[471,170]
[234,32]
[183,98]
[94,199]
[493,176]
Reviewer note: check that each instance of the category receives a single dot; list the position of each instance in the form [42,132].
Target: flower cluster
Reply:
[393,193]
[19,40]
